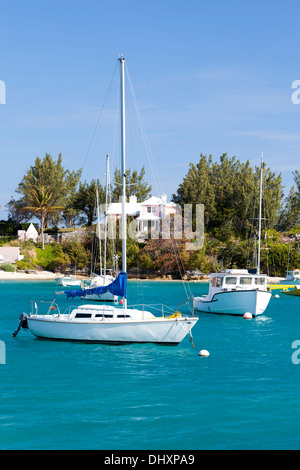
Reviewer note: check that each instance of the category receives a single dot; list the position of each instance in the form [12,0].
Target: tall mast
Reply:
[123,168]
[259,220]
[106,207]
[98,230]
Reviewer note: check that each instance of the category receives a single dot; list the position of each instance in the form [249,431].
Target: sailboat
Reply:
[68,281]
[109,323]
[102,279]
[237,291]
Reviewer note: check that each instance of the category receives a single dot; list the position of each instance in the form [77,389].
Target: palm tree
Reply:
[40,199]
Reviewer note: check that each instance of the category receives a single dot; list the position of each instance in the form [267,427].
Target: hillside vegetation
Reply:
[228,189]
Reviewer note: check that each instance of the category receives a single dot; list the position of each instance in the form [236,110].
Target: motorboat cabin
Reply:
[292,277]
[234,279]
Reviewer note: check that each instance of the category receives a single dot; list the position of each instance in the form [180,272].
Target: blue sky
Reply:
[209,77]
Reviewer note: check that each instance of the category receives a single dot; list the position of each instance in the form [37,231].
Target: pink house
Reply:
[148,214]
[153,211]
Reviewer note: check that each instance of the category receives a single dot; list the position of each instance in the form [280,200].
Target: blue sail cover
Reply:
[117,287]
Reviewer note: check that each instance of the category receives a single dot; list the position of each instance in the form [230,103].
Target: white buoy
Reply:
[248,315]
[276,296]
[203,353]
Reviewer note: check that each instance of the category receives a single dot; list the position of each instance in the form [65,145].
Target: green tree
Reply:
[85,200]
[272,196]
[135,185]
[41,204]
[229,191]
[290,214]
[48,173]
[197,188]
[76,252]
[15,211]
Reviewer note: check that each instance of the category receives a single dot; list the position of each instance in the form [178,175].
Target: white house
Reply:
[132,208]
[148,214]
[30,234]
[153,211]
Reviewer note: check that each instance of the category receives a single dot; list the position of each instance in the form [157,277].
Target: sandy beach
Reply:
[22,276]
[47,275]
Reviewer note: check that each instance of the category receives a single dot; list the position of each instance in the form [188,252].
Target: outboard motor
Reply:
[22,324]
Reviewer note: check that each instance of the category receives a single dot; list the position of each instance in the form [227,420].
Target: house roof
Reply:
[157,201]
[153,201]
[131,208]
[134,208]
[31,228]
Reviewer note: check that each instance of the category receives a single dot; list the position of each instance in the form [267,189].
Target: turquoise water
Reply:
[62,395]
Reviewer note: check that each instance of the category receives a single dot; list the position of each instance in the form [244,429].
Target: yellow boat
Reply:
[283,287]
[295,291]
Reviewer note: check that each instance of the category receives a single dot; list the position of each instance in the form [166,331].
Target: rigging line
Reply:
[251,235]
[184,283]
[182,264]
[100,115]
[116,127]
[94,250]
[109,190]
[144,136]
[250,244]
[265,222]
[130,134]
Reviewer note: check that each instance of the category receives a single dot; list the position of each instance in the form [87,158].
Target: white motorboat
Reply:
[292,277]
[104,323]
[235,292]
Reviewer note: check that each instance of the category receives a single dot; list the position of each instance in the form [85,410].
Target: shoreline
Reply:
[39,276]
[48,276]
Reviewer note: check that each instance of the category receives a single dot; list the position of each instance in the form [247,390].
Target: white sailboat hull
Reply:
[101,281]
[157,330]
[68,282]
[234,302]
[106,297]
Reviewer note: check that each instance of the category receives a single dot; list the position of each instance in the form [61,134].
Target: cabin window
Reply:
[122,316]
[98,315]
[246,281]
[259,281]
[213,282]
[219,281]
[83,315]
[231,280]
